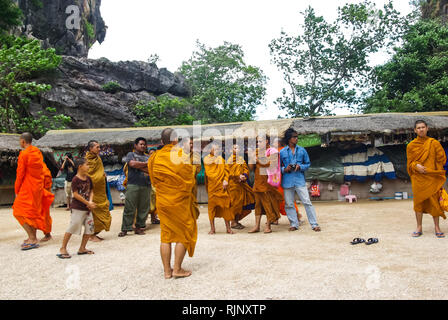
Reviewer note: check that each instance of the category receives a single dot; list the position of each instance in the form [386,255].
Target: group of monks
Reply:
[173,170]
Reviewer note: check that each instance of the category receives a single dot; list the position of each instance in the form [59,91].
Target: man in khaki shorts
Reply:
[81,210]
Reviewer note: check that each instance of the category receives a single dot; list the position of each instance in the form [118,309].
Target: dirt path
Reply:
[282,265]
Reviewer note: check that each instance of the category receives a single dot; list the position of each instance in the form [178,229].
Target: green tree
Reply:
[325,66]
[163,111]
[10,15]
[224,88]
[416,78]
[21,61]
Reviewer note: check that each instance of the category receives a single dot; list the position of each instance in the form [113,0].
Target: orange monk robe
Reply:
[429,153]
[174,181]
[280,189]
[241,194]
[101,215]
[216,172]
[267,197]
[32,200]
[195,160]
[48,181]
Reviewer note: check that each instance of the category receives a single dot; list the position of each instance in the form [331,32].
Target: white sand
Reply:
[281,265]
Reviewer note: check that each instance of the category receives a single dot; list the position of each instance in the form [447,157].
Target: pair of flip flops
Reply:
[438,234]
[67,256]
[368,242]
[29,246]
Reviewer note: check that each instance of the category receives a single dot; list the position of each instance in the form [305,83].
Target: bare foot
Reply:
[230,231]
[169,275]
[211,232]
[95,239]
[267,230]
[254,230]
[181,273]
[46,238]
[85,251]
[67,209]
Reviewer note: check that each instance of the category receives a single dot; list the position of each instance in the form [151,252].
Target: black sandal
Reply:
[371,241]
[122,233]
[357,240]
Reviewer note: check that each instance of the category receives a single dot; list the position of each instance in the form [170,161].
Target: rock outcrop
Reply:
[77,90]
[71,27]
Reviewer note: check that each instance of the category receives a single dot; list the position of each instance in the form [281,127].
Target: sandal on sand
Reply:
[293,229]
[317,229]
[85,252]
[122,233]
[372,241]
[63,256]
[357,240]
[440,235]
[139,231]
[238,226]
[157,221]
[416,234]
[268,231]
[29,246]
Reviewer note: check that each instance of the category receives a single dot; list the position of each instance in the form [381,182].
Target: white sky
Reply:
[170,28]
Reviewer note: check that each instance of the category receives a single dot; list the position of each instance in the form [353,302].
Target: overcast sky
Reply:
[170,28]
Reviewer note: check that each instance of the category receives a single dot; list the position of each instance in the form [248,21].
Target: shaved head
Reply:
[168,136]
[27,137]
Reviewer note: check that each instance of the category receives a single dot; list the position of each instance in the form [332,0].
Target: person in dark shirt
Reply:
[68,167]
[138,190]
[81,207]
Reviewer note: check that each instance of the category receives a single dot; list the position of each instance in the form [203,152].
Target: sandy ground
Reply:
[281,265]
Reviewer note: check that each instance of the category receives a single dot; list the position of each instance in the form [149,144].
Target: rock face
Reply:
[77,90]
[69,26]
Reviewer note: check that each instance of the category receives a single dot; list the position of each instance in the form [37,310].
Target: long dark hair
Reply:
[287,135]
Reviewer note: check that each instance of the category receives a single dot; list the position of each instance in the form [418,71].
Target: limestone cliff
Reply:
[71,27]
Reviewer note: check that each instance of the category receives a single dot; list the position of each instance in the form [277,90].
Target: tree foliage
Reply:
[10,15]
[21,61]
[325,66]
[224,87]
[163,111]
[416,78]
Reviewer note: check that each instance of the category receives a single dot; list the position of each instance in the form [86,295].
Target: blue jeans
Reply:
[291,213]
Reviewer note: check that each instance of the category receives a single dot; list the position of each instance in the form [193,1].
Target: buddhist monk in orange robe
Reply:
[240,192]
[217,182]
[102,218]
[32,200]
[425,160]
[172,175]
[267,197]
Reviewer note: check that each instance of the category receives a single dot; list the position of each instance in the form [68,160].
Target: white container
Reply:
[405,195]
[398,195]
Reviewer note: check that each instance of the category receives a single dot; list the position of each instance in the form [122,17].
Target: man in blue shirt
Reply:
[294,162]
